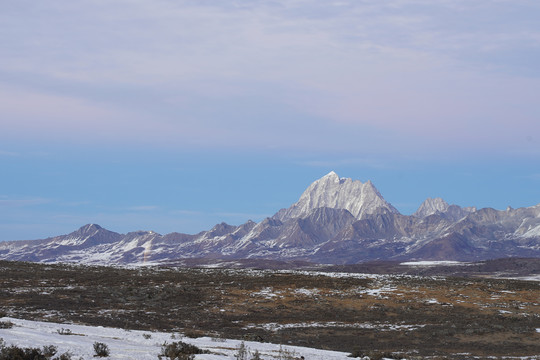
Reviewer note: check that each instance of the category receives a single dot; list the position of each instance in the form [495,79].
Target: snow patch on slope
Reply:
[139,345]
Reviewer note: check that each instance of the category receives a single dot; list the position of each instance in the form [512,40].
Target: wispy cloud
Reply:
[187,212]
[8,202]
[143,208]
[534,177]
[405,75]
[9,153]
[338,162]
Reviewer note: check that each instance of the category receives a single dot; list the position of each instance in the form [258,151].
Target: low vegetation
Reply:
[179,351]
[6,324]
[244,353]
[367,315]
[101,349]
[17,353]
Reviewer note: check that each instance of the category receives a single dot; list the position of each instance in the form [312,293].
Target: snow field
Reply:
[139,345]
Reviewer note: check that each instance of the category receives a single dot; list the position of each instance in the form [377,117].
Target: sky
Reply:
[177,115]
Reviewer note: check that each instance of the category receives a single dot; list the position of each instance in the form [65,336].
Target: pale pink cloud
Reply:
[272,75]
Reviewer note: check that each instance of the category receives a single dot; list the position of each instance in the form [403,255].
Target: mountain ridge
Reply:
[335,221]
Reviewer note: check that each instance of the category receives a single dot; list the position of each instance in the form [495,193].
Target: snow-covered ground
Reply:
[139,345]
[435,263]
[337,324]
[526,278]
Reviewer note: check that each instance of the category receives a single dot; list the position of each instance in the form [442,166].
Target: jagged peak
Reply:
[221,229]
[91,226]
[87,235]
[431,206]
[331,191]
[438,202]
[271,221]
[247,225]
[437,205]
[368,186]
[88,228]
[331,175]
[222,225]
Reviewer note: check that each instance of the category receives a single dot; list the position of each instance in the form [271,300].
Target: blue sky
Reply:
[176,115]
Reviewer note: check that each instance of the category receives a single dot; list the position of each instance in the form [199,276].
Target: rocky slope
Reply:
[335,221]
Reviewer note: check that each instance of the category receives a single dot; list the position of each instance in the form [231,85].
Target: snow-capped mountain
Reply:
[335,220]
[360,199]
[431,206]
[439,206]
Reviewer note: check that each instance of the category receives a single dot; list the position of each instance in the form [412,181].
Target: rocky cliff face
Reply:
[331,191]
[335,221]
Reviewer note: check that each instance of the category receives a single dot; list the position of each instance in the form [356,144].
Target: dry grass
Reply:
[423,316]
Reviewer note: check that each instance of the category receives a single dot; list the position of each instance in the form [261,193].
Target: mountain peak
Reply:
[439,206]
[431,206]
[331,191]
[331,176]
[89,228]
[369,185]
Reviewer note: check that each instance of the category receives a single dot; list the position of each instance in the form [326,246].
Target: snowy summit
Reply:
[331,191]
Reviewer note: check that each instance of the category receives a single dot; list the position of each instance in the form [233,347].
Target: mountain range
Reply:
[335,221]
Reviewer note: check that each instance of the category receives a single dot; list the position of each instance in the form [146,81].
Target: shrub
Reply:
[356,354]
[6,324]
[193,334]
[376,355]
[241,352]
[16,353]
[285,354]
[101,349]
[13,352]
[49,350]
[179,351]
[359,354]
[256,355]
[218,339]
[63,331]
[64,356]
